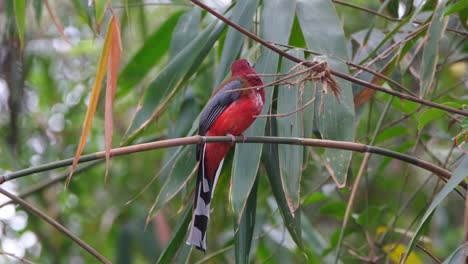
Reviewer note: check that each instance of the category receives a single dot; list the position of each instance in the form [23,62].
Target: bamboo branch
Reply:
[344,145]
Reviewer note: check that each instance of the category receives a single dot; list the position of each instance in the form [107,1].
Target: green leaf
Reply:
[169,80]
[430,54]
[270,156]
[247,156]
[277,20]
[186,30]
[334,208]
[456,7]
[100,7]
[19,7]
[37,4]
[315,241]
[153,50]
[290,156]
[177,240]
[392,133]
[460,173]
[337,121]
[370,217]
[457,256]
[83,11]
[313,198]
[242,15]
[392,7]
[177,171]
[245,229]
[433,114]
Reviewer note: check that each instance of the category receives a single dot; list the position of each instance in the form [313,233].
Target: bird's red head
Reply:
[243,68]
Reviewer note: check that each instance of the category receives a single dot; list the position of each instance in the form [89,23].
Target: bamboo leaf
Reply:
[245,229]
[456,7]
[433,114]
[153,50]
[94,97]
[430,54]
[457,255]
[179,172]
[19,7]
[176,241]
[83,11]
[100,7]
[242,15]
[185,30]
[337,121]
[111,86]
[270,157]
[460,173]
[290,156]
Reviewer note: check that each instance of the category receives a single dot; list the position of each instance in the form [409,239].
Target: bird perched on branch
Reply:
[229,112]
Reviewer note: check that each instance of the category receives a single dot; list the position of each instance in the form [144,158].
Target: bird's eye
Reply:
[248,63]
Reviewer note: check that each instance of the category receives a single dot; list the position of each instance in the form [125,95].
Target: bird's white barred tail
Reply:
[201,210]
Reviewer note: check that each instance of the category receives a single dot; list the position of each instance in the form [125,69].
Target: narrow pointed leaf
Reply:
[456,7]
[113,68]
[83,11]
[153,50]
[337,121]
[100,7]
[179,172]
[186,30]
[290,156]
[460,174]
[242,15]
[177,240]
[430,54]
[314,241]
[270,157]
[457,255]
[93,99]
[245,229]
[19,7]
[166,84]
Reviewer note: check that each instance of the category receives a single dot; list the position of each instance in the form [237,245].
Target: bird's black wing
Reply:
[217,104]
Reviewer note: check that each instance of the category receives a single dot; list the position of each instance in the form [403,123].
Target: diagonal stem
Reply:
[29,207]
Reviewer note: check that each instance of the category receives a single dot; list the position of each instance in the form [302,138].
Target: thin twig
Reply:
[333,72]
[349,207]
[428,253]
[11,255]
[30,208]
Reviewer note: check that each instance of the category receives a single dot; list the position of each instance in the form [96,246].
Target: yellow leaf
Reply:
[93,99]
[396,251]
[113,67]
